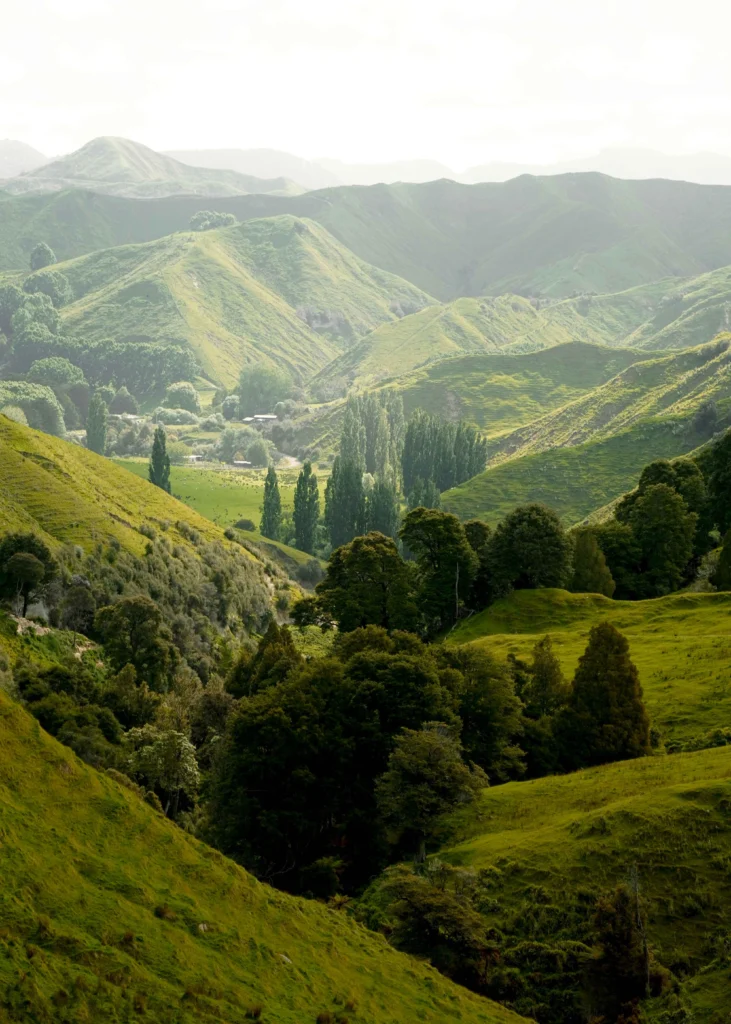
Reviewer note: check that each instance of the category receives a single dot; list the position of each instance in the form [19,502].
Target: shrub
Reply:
[174,417]
[213,422]
[245,524]
[182,395]
[15,413]
[205,220]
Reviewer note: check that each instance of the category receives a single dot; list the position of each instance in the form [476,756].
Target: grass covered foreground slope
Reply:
[121,167]
[681,645]
[551,846]
[110,913]
[68,495]
[279,290]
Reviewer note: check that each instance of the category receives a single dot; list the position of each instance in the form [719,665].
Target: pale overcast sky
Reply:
[461,81]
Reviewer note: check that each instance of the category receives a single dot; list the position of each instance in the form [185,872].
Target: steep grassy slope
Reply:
[585,453]
[500,392]
[681,645]
[120,167]
[574,481]
[69,495]
[279,290]
[554,235]
[110,912]
[551,846]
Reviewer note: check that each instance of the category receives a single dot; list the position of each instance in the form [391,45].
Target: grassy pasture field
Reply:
[681,645]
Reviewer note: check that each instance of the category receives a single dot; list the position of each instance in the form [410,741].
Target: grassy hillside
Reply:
[120,167]
[574,481]
[681,645]
[279,290]
[551,846]
[554,235]
[500,392]
[588,451]
[110,912]
[69,495]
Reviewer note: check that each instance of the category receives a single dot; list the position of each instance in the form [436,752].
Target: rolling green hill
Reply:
[681,645]
[551,846]
[552,236]
[123,168]
[110,912]
[587,452]
[501,392]
[279,290]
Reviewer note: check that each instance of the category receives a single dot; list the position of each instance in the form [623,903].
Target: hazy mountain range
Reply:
[17,158]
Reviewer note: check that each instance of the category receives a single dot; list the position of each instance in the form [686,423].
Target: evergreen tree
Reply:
[345,503]
[664,530]
[96,425]
[306,509]
[159,468]
[605,719]
[722,576]
[719,483]
[353,436]
[591,572]
[424,494]
[545,690]
[383,509]
[271,509]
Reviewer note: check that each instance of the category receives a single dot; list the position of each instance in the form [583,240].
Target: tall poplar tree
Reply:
[159,468]
[345,503]
[271,509]
[306,509]
[96,425]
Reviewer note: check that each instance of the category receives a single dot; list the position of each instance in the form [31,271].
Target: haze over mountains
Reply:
[707,168]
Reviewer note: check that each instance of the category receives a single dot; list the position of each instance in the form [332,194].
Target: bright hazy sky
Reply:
[460,81]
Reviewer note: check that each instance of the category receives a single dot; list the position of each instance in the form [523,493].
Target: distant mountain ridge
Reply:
[121,167]
[17,157]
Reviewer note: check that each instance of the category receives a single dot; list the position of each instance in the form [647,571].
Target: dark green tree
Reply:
[545,689]
[383,511]
[23,577]
[530,549]
[26,572]
[425,778]
[41,256]
[664,530]
[620,971]
[424,494]
[368,583]
[719,483]
[182,395]
[96,425]
[159,467]
[447,564]
[623,557]
[306,509]
[134,633]
[591,572]
[605,719]
[345,502]
[275,657]
[353,436]
[52,284]
[271,509]
[479,535]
